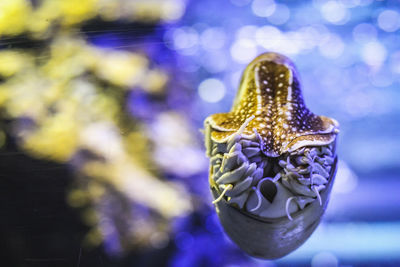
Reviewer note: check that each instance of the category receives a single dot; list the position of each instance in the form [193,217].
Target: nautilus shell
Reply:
[272,161]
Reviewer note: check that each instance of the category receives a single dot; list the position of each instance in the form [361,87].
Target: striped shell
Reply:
[272,161]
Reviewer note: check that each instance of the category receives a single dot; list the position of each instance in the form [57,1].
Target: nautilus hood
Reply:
[272,161]
[270,91]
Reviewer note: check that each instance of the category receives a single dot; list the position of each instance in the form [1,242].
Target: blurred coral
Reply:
[66,99]
[42,18]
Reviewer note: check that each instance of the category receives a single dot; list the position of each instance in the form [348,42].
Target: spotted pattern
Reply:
[270,90]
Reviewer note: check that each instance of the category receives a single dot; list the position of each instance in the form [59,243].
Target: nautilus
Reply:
[272,161]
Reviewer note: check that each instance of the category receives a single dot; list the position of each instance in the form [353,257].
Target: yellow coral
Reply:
[74,95]
[56,138]
[13,14]
[18,16]
[154,81]
[12,62]
[121,68]
[76,11]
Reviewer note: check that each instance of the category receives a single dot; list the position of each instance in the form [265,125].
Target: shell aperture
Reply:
[272,161]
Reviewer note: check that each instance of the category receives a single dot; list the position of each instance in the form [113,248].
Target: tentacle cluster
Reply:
[268,187]
[270,155]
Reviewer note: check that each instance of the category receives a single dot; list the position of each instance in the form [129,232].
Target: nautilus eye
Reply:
[272,161]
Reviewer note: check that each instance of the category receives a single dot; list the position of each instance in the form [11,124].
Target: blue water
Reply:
[348,57]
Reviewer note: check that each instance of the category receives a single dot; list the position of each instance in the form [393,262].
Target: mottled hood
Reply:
[270,98]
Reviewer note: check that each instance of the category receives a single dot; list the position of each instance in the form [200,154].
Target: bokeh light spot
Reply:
[243,50]
[268,37]
[213,38]
[185,38]
[332,46]
[263,8]
[389,20]
[374,53]
[246,32]
[280,16]
[335,12]
[212,90]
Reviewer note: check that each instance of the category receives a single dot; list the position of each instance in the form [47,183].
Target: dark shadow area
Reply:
[38,228]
